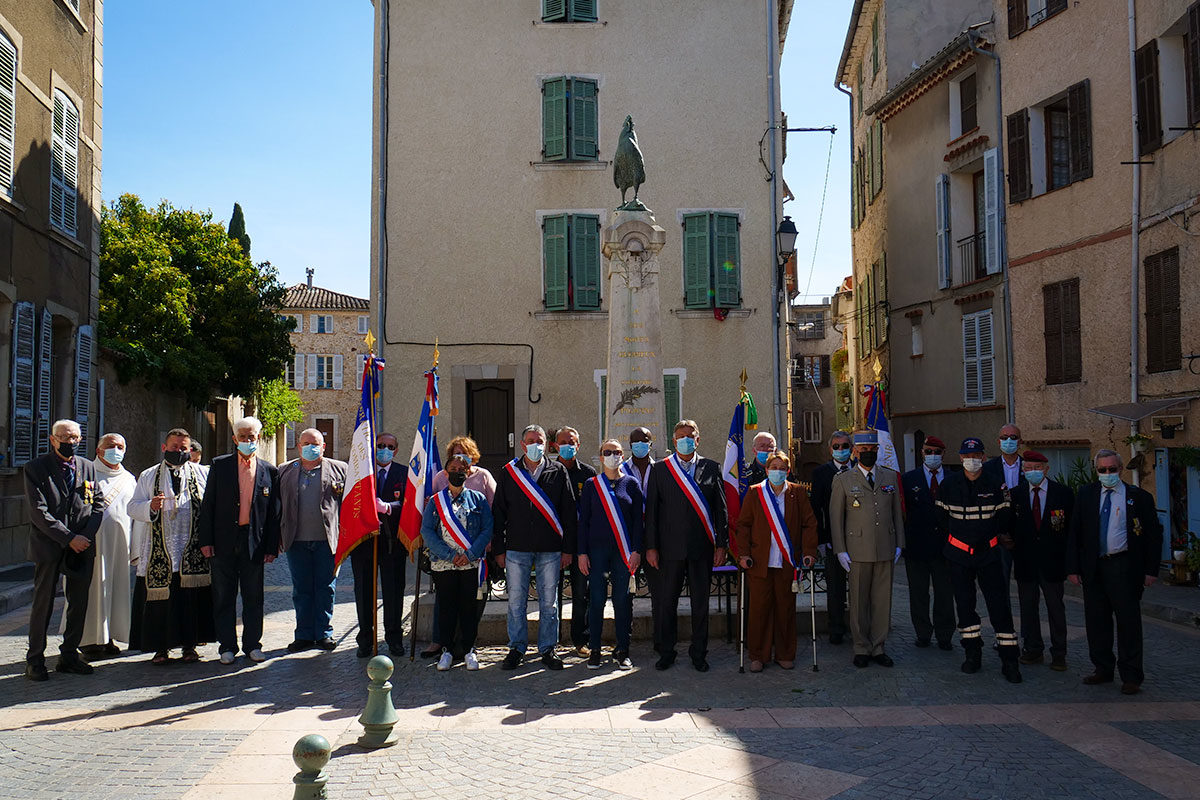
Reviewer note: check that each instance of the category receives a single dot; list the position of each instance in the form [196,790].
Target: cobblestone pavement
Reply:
[921,730]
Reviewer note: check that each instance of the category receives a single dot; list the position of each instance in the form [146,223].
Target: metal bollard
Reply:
[379,717]
[310,754]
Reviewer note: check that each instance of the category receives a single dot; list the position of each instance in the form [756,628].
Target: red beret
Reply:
[1034,455]
[933,441]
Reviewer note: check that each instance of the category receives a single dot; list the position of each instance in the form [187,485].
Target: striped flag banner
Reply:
[357,517]
[422,466]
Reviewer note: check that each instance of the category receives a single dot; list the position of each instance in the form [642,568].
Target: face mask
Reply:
[1008,446]
[933,463]
[841,456]
[567,451]
[1034,476]
[685,445]
[247,448]
[383,455]
[310,452]
[114,456]
[457,478]
[972,464]
[612,462]
[777,476]
[66,449]
[1109,480]
[177,458]
[761,456]
[867,458]
[640,449]
[534,452]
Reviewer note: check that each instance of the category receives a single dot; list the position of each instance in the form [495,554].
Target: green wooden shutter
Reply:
[583,10]
[554,261]
[583,119]
[585,260]
[696,261]
[727,271]
[554,10]
[878,156]
[672,401]
[603,409]
[554,119]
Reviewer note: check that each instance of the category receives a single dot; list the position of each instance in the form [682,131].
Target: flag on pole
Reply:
[876,418]
[357,518]
[734,475]
[422,466]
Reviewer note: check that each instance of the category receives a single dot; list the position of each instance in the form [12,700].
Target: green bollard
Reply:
[379,717]
[311,754]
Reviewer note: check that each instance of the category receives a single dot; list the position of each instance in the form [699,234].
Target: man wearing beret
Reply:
[867,524]
[924,540]
[1042,512]
[976,513]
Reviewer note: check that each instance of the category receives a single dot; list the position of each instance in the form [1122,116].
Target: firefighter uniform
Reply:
[977,514]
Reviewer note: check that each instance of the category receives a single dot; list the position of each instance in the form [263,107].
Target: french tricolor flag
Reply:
[358,518]
[424,464]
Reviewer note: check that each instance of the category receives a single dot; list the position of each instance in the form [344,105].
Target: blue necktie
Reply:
[1105,514]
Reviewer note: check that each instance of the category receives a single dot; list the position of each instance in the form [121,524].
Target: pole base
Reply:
[381,736]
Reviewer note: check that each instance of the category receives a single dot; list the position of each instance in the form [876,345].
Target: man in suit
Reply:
[687,531]
[1006,468]
[835,576]
[762,448]
[238,530]
[567,439]
[924,562]
[1113,548]
[1041,519]
[388,553]
[66,508]
[310,495]
[867,521]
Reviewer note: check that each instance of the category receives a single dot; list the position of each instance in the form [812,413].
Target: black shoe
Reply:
[300,645]
[1032,658]
[593,661]
[883,660]
[1130,688]
[664,662]
[700,664]
[1097,678]
[396,650]
[36,672]
[922,643]
[974,661]
[862,661]
[836,638]
[363,651]
[945,645]
[1011,671]
[75,666]
[511,661]
[551,661]
[326,644]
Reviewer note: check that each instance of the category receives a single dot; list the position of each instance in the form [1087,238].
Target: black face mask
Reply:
[867,458]
[176,458]
[457,478]
[66,449]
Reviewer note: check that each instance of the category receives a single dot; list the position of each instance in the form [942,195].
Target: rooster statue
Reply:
[629,170]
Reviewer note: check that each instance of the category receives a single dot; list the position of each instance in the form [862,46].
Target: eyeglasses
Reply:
[840,447]
[610,452]
[1107,470]
[461,457]
[927,451]
[1010,438]
[391,447]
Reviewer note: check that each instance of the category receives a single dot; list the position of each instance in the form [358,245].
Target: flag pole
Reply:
[415,554]
[370,340]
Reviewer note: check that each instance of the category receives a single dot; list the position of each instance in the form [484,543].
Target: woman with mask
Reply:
[776,536]
[610,543]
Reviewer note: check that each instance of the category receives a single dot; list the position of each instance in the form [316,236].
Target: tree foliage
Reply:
[278,404]
[237,228]
[183,307]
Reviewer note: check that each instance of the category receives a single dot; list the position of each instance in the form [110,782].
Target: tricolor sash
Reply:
[779,529]
[615,521]
[458,532]
[692,491]
[534,493]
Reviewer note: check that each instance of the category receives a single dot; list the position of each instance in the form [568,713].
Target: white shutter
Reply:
[313,323]
[84,348]
[8,113]
[22,425]
[329,323]
[298,372]
[942,206]
[363,324]
[991,224]
[337,372]
[64,164]
[987,363]
[311,380]
[290,429]
[299,323]
[42,404]
[970,329]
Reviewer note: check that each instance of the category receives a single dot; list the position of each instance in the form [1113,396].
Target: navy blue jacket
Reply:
[595,533]
[1041,553]
[924,536]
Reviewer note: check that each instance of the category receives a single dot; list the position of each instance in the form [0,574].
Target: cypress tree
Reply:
[237,229]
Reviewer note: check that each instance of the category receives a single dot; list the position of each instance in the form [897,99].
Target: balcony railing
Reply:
[972,259]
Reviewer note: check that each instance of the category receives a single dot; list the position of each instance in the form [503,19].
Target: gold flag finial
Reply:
[370,340]
[744,376]
[435,352]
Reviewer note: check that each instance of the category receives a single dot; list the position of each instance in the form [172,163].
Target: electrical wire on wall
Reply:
[442,344]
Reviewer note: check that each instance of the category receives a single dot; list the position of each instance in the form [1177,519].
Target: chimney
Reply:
[309,272]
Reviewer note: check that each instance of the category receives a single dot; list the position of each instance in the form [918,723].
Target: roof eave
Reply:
[855,16]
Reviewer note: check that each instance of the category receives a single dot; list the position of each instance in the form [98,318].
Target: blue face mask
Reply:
[1008,446]
[310,452]
[777,476]
[933,463]
[247,448]
[1109,480]
[685,446]
[640,449]
[841,456]
[567,451]
[114,456]
[383,455]
[761,456]
[534,452]
[1034,476]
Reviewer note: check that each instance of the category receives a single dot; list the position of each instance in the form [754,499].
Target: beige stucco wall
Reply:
[463,233]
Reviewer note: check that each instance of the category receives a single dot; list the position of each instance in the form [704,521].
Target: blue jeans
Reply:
[313,584]
[601,562]
[517,566]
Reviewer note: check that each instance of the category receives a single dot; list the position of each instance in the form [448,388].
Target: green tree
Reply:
[237,228]
[278,404]
[182,306]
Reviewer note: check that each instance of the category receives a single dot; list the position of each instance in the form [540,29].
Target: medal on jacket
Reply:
[87,492]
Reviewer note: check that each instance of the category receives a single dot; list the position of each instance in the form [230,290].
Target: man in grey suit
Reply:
[868,532]
[65,511]
[310,491]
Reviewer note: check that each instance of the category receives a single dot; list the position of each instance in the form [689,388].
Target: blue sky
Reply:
[268,103]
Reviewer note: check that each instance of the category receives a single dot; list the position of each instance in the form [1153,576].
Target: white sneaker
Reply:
[445,662]
[472,660]
[257,656]
[227,657]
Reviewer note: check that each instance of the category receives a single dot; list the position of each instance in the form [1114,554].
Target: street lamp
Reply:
[785,239]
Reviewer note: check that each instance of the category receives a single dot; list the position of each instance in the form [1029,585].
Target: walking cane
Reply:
[812,610]
[412,655]
[741,621]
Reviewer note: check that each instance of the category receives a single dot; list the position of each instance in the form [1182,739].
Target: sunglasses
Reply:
[930,452]
[391,447]
[461,457]
[840,447]
[1010,438]
[1107,470]
[610,452]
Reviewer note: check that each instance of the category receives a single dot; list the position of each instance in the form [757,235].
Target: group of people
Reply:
[200,536]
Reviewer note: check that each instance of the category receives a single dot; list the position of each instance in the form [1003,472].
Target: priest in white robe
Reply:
[172,598]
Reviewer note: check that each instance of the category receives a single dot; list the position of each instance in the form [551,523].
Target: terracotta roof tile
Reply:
[304,296]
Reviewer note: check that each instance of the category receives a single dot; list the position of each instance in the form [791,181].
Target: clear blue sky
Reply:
[268,103]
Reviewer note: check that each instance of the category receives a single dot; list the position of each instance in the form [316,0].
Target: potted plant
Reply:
[1139,442]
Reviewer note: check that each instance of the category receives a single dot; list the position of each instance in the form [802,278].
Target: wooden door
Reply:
[490,421]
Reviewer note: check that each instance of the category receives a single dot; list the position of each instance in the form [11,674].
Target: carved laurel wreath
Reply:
[629,396]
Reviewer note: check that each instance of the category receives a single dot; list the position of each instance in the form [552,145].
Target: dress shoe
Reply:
[836,638]
[257,655]
[664,662]
[883,660]
[363,651]
[36,672]
[700,664]
[433,651]
[327,644]
[1059,665]
[1130,688]
[945,645]
[861,661]
[510,662]
[1096,678]
[756,666]
[228,657]
[75,666]
[300,645]
[111,649]
[396,650]
[786,664]
[1011,671]
[922,643]
[551,661]
[1032,658]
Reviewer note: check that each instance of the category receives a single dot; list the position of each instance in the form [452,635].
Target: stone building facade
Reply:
[815,339]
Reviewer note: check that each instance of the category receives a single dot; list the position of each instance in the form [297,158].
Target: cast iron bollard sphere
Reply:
[310,754]
[379,717]
[380,668]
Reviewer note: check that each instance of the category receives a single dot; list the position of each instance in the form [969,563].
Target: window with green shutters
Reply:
[569,11]
[712,273]
[571,262]
[569,119]
[672,402]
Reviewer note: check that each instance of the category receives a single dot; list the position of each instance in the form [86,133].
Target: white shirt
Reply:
[869,473]
[929,476]
[537,471]
[1041,496]
[1012,473]
[1117,536]
[775,559]
[381,472]
[690,466]
[643,479]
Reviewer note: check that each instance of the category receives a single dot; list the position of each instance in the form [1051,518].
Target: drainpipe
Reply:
[851,363]
[776,286]
[1002,224]
[382,167]
[1135,227]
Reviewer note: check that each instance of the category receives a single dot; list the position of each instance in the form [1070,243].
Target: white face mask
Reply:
[972,465]
[612,462]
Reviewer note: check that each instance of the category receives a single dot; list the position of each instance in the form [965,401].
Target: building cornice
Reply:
[951,58]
